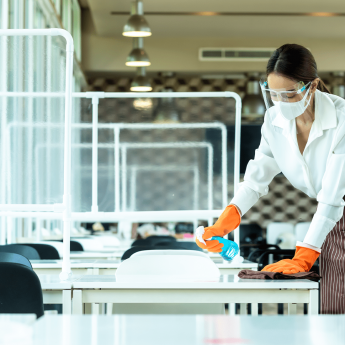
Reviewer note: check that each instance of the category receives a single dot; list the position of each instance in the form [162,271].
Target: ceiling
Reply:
[225,25]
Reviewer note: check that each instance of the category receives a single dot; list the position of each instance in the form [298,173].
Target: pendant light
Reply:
[253,105]
[166,110]
[138,57]
[141,83]
[137,25]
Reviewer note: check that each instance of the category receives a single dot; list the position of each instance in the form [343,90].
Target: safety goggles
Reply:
[293,94]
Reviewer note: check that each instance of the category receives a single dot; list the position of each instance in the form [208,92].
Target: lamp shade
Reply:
[138,57]
[141,83]
[137,26]
[253,104]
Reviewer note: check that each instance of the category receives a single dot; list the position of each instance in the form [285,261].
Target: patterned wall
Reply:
[282,204]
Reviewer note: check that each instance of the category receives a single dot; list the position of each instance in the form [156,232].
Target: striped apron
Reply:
[332,271]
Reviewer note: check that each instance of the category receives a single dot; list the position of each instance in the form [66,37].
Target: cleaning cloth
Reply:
[249,274]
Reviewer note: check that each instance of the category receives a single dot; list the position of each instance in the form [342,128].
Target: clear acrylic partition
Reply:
[153,155]
[32,126]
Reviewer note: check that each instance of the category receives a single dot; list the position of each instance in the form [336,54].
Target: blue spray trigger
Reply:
[230,249]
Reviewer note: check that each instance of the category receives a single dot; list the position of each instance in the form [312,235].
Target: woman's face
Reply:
[280,83]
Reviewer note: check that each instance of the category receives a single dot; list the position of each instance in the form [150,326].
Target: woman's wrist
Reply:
[238,209]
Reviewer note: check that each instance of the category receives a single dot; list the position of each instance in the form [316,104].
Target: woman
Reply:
[303,136]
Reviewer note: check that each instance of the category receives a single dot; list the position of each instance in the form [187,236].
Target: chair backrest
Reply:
[29,252]
[20,290]
[168,265]
[129,252]
[301,230]
[275,229]
[183,245]
[151,240]
[75,246]
[45,251]
[15,258]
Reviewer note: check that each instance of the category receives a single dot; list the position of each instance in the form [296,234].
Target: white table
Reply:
[56,291]
[229,289]
[105,255]
[78,267]
[16,329]
[109,267]
[189,330]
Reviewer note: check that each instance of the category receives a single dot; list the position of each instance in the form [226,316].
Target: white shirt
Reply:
[319,172]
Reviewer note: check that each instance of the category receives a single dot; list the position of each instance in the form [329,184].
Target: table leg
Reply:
[313,308]
[95,307]
[255,309]
[243,308]
[66,302]
[109,309]
[292,308]
[232,309]
[77,302]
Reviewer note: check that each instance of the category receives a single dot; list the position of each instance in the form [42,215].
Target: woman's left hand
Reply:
[303,261]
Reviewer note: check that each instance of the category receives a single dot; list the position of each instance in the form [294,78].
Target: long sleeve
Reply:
[330,198]
[259,174]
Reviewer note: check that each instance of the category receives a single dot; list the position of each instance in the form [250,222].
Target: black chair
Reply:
[45,251]
[15,258]
[20,290]
[29,252]
[74,246]
[278,254]
[184,245]
[129,252]
[152,240]
[254,255]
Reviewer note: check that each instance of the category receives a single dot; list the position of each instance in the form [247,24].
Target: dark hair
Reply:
[295,62]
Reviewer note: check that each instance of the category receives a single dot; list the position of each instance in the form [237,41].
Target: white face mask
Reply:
[292,110]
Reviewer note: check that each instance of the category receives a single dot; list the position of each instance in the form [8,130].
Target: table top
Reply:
[16,329]
[225,282]
[58,263]
[189,330]
[94,255]
[53,282]
[114,263]
[27,319]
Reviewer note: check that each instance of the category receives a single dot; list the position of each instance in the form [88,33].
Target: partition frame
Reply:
[157,216]
[60,211]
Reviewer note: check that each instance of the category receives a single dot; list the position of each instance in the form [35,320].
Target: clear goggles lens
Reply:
[295,93]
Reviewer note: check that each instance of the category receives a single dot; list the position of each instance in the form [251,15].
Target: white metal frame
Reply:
[134,168]
[160,216]
[63,211]
[49,212]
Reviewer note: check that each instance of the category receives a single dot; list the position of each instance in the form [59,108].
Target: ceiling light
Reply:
[138,57]
[141,83]
[142,103]
[166,110]
[253,105]
[137,25]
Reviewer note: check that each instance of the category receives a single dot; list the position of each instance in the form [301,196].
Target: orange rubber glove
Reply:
[302,262]
[228,221]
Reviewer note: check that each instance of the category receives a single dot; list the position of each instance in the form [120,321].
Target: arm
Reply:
[259,174]
[330,199]
[329,211]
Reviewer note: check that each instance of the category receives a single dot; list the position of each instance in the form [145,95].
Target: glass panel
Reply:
[165,160]
[32,127]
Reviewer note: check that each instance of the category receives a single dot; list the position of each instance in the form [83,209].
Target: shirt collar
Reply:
[325,113]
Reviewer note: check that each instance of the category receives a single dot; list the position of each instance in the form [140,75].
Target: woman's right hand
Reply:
[228,221]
